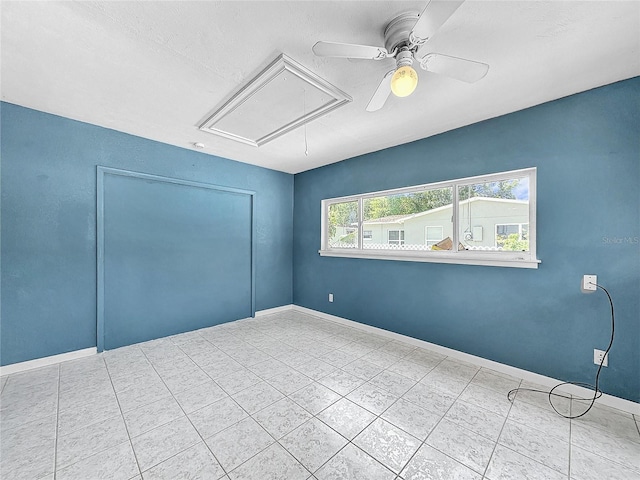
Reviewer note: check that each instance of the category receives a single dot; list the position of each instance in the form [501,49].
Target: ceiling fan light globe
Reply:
[404,81]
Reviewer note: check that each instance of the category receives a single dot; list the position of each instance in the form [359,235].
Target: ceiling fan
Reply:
[403,38]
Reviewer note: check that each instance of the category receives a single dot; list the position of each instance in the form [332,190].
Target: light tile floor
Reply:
[288,397]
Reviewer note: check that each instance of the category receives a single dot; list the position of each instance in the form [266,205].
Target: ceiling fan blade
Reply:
[381,94]
[348,50]
[454,67]
[431,19]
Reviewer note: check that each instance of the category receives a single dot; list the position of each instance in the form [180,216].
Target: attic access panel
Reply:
[283,97]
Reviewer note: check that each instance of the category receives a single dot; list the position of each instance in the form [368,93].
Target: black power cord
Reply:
[596,391]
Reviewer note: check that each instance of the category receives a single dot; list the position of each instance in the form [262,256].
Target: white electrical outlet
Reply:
[597,357]
[589,283]
[331,297]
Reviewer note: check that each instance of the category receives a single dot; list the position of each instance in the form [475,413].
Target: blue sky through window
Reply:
[521,191]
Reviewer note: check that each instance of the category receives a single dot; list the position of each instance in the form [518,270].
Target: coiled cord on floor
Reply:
[595,387]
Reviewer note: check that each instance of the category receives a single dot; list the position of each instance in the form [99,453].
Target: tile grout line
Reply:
[349,442]
[424,442]
[379,416]
[263,379]
[230,396]
[277,441]
[376,417]
[570,421]
[77,429]
[506,419]
[183,411]
[135,456]
[541,432]
[315,416]
[570,434]
[597,428]
[421,442]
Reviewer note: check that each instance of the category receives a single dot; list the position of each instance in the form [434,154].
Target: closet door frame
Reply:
[102,172]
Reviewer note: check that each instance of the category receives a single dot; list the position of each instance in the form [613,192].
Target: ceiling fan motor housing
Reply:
[396,34]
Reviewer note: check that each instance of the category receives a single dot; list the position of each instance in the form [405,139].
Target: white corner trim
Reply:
[608,400]
[271,311]
[46,361]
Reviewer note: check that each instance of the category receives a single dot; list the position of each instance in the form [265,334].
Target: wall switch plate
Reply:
[597,357]
[589,283]
[331,297]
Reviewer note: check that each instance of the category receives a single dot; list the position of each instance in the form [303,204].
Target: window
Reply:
[342,225]
[440,222]
[396,237]
[386,215]
[500,205]
[433,235]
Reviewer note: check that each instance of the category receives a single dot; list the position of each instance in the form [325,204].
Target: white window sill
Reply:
[461,258]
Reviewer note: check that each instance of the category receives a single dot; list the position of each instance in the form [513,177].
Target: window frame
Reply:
[426,234]
[400,240]
[465,257]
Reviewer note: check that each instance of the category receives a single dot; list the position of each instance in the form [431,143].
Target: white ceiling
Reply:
[157,69]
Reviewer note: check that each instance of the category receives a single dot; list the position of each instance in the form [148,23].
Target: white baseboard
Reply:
[608,400]
[46,361]
[271,311]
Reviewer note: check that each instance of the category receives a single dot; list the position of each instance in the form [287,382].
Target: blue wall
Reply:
[587,151]
[585,146]
[49,224]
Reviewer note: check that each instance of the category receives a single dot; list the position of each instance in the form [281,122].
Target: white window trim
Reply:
[465,257]
[426,236]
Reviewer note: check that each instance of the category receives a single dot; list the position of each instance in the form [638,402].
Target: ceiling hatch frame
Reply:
[281,65]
